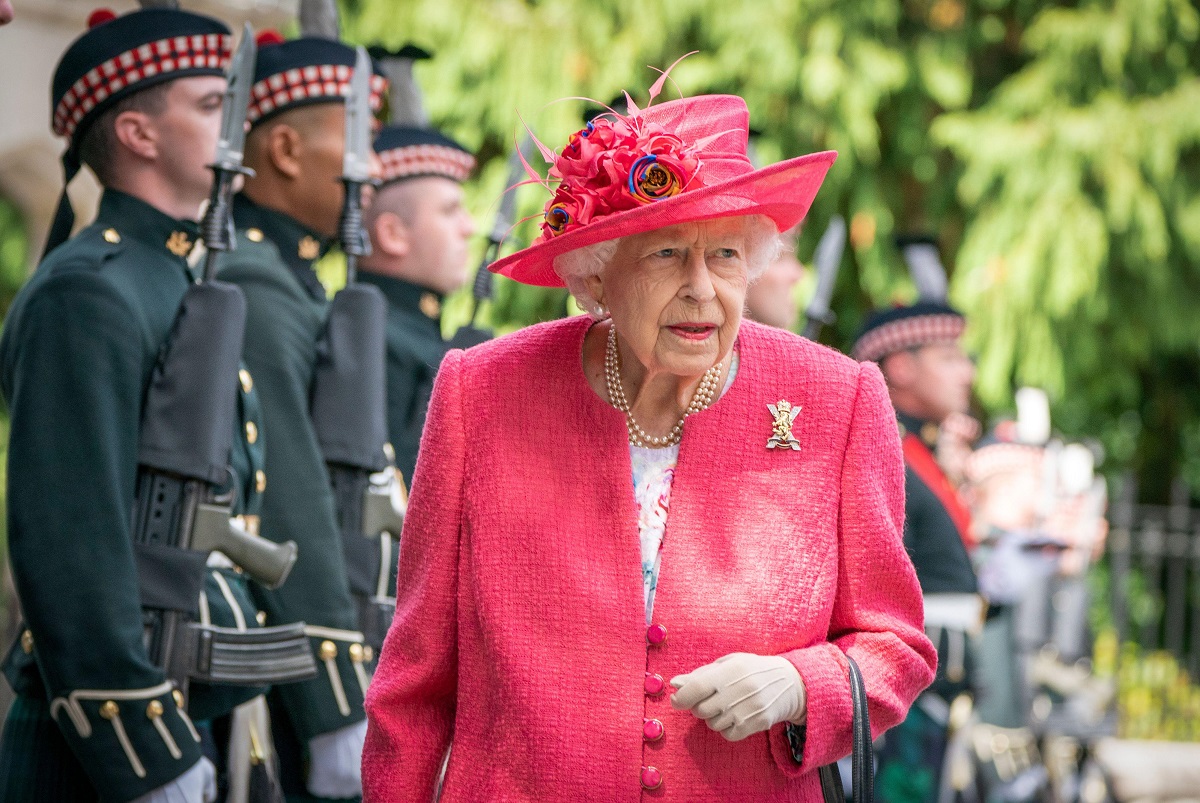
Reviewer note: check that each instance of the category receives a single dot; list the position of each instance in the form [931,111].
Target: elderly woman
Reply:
[656,495]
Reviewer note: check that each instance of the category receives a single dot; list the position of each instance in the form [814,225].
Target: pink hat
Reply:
[676,162]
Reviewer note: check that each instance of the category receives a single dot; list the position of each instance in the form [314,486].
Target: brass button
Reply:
[246,380]
[260,480]
[109,710]
[154,710]
[356,653]
[261,618]
[254,235]
[179,244]
[111,236]
[251,432]
[368,654]
[27,642]
[430,305]
[177,696]
[308,248]
[327,651]
[929,433]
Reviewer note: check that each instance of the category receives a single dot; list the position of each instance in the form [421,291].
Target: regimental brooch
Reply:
[781,428]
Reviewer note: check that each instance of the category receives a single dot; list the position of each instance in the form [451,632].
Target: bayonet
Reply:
[319,18]
[356,163]
[405,103]
[506,215]
[217,226]
[826,260]
[924,266]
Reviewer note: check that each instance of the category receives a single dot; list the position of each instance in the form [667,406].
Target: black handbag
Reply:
[863,761]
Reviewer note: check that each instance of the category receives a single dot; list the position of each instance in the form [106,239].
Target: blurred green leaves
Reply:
[1054,148]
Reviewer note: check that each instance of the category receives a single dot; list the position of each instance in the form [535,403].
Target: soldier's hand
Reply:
[742,694]
[335,765]
[197,785]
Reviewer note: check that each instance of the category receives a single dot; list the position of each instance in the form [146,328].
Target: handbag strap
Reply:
[862,772]
[863,762]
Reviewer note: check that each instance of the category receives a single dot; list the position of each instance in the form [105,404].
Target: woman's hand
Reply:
[741,694]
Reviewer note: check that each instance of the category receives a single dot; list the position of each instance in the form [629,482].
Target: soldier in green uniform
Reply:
[138,99]
[929,378]
[419,231]
[285,216]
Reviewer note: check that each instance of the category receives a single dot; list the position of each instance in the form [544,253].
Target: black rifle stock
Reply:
[349,416]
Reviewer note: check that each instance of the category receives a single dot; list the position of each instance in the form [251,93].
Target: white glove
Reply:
[197,785]
[741,694]
[335,762]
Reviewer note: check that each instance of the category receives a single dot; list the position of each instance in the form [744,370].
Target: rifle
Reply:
[471,334]
[827,259]
[179,515]
[348,408]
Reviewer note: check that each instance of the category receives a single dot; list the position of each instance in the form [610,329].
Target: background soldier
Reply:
[139,100]
[771,299]
[285,216]
[419,231]
[929,378]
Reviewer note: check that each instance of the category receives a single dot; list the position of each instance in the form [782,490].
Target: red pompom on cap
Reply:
[268,37]
[101,16]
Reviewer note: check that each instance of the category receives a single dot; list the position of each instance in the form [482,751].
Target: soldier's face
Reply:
[187,132]
[440,228]
[942,378]
[771,298]
[321,190]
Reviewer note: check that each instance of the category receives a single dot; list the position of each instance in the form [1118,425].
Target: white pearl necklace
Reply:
[616,396]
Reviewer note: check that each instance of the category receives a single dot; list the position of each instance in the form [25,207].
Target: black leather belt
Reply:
[258,657]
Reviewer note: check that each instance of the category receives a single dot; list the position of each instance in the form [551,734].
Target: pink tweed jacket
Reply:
[520,640]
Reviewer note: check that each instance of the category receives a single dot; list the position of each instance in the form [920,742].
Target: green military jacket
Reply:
[79,346]
[415,349]
[286,315]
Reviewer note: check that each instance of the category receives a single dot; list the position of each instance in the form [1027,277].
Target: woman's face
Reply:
[676,294]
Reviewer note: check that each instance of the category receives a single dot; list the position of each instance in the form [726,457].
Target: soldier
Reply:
[139,100]
[929,378]
[771,299]
[285,216]
[419,230]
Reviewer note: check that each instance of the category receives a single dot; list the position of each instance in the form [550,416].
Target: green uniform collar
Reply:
[927,431]
[424,304]
[299,245]
[123,216]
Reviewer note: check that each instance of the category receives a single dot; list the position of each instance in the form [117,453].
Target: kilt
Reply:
[36,765]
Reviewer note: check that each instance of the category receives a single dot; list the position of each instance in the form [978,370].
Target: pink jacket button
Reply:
[655,684]
[652,730]
[651,778]
[656,634]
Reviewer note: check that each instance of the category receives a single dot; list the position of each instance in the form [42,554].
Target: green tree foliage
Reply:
[1052,146]
[1080,180]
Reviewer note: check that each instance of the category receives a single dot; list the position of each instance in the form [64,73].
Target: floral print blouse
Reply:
[653,473]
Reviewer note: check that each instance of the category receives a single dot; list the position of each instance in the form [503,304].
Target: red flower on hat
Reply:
[616,163]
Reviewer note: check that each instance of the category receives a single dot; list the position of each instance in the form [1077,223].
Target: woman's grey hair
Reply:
[763,246]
